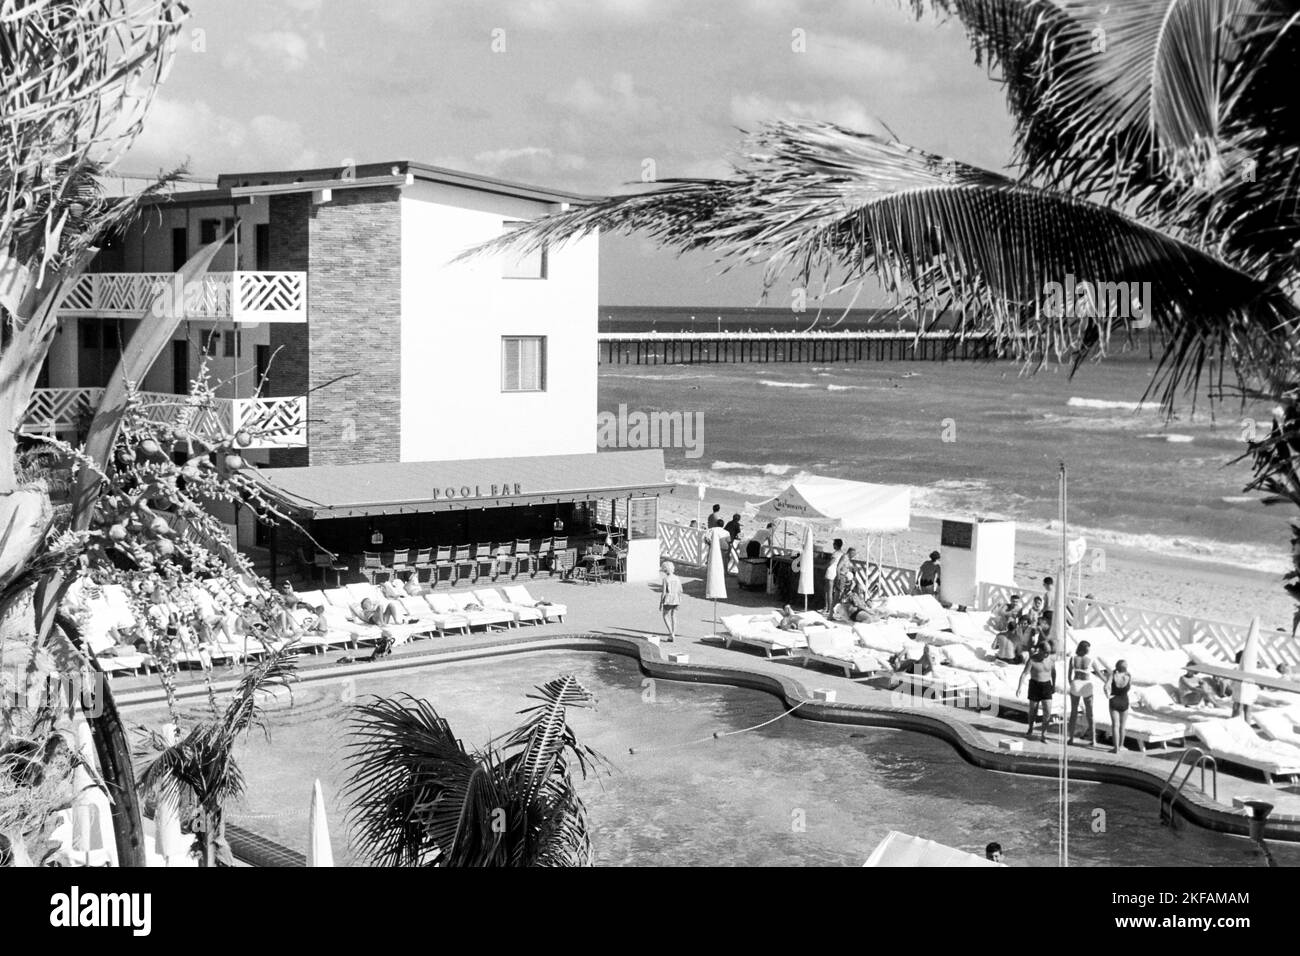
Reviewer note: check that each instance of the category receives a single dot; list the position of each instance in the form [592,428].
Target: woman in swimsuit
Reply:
[1082,668]
[1120,683]
[1040,670]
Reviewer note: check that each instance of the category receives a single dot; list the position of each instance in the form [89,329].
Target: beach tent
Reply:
[831,505]
[900,849]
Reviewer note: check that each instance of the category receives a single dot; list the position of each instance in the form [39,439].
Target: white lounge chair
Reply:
[1232,741]
[418,608]
[837,647]
[492,600]
[518,594]
[447,604]
[761,631]
[1278,725]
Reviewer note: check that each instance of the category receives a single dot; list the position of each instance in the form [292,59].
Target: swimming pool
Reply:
[795,792]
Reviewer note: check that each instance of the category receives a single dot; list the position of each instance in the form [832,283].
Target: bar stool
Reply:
[372,565]
[464,559]
[328,562]
[484,558]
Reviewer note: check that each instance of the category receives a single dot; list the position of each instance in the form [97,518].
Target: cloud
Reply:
[175,131]
[570,13]
[527,162]
[619,97]
[857,61]
[751,110]
[283,50]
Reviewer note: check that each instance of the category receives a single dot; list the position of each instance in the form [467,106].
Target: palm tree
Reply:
[200,769]
[421,799]
[1156,141]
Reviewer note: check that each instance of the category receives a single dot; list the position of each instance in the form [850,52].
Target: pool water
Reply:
[793,793]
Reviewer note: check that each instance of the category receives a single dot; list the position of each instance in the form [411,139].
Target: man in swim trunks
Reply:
[1040,670]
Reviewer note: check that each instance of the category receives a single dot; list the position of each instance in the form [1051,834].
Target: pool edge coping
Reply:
[1193,805]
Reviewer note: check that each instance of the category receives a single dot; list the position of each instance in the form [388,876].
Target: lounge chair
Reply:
[837,647]
[448,604]
[419,608]
[518,594]
[761,631]
[886,637]
[1279,725]
[492,600]
[1232,741]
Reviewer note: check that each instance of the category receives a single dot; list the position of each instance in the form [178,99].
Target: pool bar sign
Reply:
[476,491]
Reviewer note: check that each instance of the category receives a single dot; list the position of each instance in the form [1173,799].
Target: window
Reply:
[523,363]
[642,519]
[211,342]
[529,266]
[234,345]
[209,229]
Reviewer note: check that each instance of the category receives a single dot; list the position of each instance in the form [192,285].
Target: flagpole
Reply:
[1058,615]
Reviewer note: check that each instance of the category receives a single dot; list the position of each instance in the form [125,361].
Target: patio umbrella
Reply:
[319,851]
[92,815]
[1246,691]
[169,841]
[807,582]
[715,573]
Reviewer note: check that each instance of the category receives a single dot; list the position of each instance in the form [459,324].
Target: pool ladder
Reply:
[1192,757]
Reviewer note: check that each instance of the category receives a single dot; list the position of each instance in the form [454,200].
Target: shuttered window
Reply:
[523,363]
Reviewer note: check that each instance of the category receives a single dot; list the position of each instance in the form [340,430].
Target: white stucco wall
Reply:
[453,319]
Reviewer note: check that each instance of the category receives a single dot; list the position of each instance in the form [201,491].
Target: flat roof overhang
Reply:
[320,492]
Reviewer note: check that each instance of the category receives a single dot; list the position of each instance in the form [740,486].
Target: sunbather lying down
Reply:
[1202,691]
[792,620]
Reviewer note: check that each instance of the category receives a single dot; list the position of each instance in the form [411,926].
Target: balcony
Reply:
[54,410]
[236,296]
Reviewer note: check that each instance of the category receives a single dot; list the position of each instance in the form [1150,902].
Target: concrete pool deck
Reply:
[620,617]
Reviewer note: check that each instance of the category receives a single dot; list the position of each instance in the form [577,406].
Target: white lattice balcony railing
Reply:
[239,296]
[272,422]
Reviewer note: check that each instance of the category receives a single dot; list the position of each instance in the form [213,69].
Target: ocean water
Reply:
[975,438]
[793,792]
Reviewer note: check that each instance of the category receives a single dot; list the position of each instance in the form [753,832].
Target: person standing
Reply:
[715,517]
[1040,670]
[845,575]
[733,527]
[927,575]
[670,596]
[764,539]
[832,569]
[1082,668]
[1120,683]
[1049,599]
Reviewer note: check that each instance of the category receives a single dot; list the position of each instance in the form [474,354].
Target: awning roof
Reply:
[854,505]
[901,849]
[387,488]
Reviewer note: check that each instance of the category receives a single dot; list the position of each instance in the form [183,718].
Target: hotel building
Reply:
[406,399]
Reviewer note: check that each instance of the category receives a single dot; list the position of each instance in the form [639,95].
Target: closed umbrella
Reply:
[715,573]
[92,814]
[169,841]
[1247,691]
[319,851]
[807,584]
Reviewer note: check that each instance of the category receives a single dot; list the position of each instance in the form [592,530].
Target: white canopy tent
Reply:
[901,849]
[832,505]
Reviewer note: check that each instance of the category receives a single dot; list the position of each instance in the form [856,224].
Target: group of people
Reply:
[1024,636]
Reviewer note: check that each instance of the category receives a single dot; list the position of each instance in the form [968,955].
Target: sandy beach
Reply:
[1138,578]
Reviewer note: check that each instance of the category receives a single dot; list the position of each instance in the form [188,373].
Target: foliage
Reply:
[200,769]
[420,798]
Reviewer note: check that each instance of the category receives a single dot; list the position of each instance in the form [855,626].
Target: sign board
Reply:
[956,534]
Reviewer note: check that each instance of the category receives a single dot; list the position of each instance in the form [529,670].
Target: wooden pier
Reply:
[823,348]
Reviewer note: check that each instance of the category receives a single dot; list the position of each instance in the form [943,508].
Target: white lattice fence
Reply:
[681,545]
[283,421]
[55,409]
[258,292]
[1160,629]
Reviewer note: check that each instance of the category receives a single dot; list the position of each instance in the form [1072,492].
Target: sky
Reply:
[571,94]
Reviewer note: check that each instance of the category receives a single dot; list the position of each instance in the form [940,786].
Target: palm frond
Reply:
[949,237]
[1108,95]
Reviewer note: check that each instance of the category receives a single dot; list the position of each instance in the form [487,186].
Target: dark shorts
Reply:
[668,607]
[1119,704]
[1041,690]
